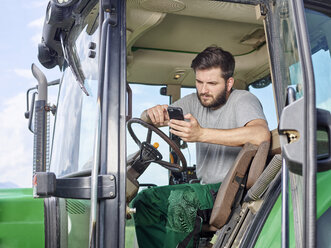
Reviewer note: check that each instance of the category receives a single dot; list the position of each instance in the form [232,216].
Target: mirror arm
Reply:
[27,113]
[32,111]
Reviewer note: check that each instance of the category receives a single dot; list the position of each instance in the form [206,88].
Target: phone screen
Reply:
[175,113]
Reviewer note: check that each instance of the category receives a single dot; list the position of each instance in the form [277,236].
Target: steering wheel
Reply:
[170,166]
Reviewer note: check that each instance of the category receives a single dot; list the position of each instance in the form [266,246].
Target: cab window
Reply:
[263,90]
[320,42]
[144,97]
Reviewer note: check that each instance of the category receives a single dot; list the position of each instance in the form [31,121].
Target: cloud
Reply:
[139,108]
[37,23]
[36,4]
[36,39]
[25,73]
[16,143]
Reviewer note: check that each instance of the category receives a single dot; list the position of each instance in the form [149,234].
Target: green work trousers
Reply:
[166,215]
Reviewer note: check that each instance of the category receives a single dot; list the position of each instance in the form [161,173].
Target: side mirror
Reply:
[292,121]
[29,113]
[323,140]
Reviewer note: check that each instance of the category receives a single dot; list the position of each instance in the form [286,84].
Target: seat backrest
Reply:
[258,164]
[230,186]
[249,155]
[252,157]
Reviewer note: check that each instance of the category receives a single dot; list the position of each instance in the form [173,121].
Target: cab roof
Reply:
[163,36]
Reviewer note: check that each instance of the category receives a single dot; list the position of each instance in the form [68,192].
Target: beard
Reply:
[217,102]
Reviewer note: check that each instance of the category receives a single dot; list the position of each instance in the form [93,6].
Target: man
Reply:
[220,120]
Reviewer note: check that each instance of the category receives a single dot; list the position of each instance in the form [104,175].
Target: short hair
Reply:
[215,57]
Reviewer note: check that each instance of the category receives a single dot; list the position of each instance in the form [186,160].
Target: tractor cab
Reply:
[118,58]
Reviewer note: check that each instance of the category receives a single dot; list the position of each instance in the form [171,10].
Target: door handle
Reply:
[291,127]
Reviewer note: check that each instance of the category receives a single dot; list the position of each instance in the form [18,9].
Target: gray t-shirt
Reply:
[214,161]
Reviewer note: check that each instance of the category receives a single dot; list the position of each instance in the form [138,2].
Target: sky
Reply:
[21,30]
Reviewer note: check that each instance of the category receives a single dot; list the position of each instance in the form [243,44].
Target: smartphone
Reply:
[175,113]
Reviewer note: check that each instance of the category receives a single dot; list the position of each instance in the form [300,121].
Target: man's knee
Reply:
[149,207]
[142,198]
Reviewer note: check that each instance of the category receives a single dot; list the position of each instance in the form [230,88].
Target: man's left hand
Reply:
[189,131]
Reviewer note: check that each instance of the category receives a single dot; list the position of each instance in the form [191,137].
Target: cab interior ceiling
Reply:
[163,36]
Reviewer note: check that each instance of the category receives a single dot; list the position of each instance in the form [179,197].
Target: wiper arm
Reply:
[74,65]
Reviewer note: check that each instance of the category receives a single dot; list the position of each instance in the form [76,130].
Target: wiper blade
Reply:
[74,65]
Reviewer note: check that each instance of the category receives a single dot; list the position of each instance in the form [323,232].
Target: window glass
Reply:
[291,76]
[322,71]
[323,230]
[296,79]
[75,127]
[291,72]
[144,97]
[266,97]
[322,144]
[320,41]
[190,151]
[76,118]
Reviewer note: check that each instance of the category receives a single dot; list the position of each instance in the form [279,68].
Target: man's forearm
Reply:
[144,116]
[254,132]
[235,137]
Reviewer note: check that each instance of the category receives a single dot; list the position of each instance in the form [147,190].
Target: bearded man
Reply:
[220,120]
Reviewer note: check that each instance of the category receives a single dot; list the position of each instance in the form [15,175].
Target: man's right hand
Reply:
[158,115]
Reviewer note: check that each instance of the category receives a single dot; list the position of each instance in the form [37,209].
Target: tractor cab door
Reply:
[304,84]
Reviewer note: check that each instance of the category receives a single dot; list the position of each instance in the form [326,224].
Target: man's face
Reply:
[211,87]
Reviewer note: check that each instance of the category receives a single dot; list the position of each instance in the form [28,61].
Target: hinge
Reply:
[45,184]
[108,7]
